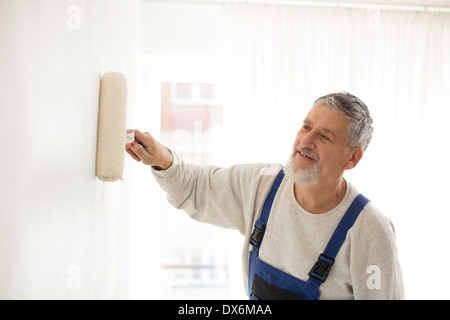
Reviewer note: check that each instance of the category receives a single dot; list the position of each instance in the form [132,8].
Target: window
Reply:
[193,255]
[173,256]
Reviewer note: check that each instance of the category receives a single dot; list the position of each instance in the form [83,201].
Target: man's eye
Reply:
[306,127]
[324,137]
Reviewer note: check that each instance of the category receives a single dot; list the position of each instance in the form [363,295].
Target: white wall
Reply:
[63,233]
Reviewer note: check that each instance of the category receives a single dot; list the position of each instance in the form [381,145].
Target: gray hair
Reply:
[360,132]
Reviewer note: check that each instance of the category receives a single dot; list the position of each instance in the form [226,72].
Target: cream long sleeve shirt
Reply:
[367,265]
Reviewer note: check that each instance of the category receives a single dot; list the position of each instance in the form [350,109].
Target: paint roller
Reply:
[111,130]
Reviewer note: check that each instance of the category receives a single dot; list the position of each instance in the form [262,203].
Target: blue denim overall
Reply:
[266,282]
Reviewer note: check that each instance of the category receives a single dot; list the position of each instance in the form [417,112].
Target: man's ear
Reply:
[356,155]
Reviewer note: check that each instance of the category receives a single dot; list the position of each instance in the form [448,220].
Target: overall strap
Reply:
[260,225]
[322,267]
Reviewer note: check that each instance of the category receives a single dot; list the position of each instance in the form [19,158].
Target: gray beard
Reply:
[303,177]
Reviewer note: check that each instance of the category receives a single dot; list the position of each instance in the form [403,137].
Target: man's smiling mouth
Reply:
[306,155]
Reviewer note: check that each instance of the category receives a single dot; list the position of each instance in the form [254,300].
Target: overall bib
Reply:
[266,282]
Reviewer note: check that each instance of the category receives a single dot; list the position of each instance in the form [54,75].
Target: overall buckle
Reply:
[322,268]
[257,235]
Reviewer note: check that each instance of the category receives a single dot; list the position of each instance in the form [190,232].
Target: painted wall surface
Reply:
[63,233]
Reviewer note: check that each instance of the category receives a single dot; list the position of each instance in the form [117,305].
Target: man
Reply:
[290,255]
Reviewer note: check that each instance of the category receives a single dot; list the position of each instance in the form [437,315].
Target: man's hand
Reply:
[147,149]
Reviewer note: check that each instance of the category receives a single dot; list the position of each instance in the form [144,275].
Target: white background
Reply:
[66,235]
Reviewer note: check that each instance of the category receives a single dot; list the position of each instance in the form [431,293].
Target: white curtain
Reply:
[281,58]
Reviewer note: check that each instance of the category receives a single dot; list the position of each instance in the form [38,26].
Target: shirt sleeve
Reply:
[374,266]
[224,197]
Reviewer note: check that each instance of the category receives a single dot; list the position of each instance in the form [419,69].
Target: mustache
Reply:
[308,152]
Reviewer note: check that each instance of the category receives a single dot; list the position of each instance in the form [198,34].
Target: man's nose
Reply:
[308,141]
